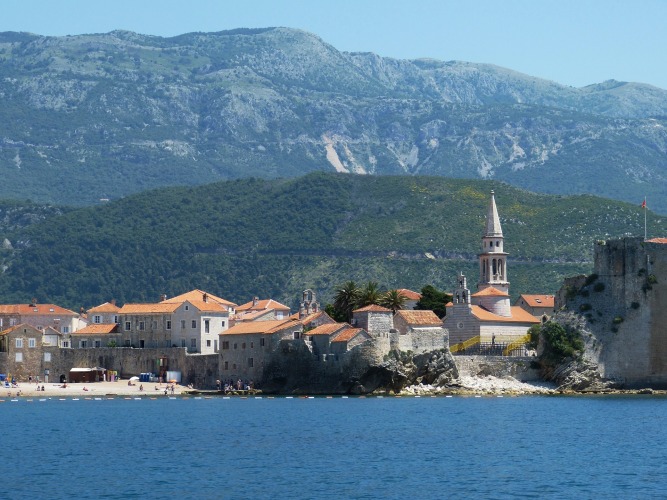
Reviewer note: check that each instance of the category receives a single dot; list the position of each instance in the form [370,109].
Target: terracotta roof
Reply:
[17,327]
[539,300]
[490,292]
[264,327]
[97,328]
[347,334]
[419,317]
[327,329]
[372,308]
[36,309]
[208,306]
[159,308]
[256,315]
[409,294]
[262,304]
[107,307]
[310,317]
[657,240]
[518,315]
[197,295]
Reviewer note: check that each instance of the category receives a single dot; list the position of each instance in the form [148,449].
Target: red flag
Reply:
[644,203]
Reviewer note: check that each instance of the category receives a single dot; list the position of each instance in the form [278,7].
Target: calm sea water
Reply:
[459,447]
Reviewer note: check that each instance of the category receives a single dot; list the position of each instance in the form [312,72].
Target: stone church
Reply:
[487,313]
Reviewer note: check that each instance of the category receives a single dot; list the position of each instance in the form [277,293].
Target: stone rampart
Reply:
[524,369]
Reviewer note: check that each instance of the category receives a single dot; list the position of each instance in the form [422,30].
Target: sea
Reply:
[334,447]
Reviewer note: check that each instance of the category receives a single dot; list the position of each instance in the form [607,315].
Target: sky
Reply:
[572,42]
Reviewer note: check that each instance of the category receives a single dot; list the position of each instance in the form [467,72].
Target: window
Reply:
[223,323]
[208,343]
[168,324]
[236,345]
[128,326]
[225,344]
[98,343]
[261,342]
[194,323]
[128,343]
[182,324]
[83,344]
[234,366]
[279,315]
[296,335]
[226,365]
[19,343]
[12,321]
[193,343]
[31,343]
[182,342]
[207,326]
[252,345]
[65,329]
[141,325]
[115,319]
[215,346]
[47,357]
[251,362]
[97,319]
[187,308]
[19,357]
[243,345]
[66,343]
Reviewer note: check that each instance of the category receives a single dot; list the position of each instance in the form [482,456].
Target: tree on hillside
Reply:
[434,300]
[394,300]
[346,300]
[369,294]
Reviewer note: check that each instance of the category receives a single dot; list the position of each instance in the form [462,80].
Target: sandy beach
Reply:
[118,388]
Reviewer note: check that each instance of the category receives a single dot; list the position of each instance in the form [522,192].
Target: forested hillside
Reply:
[275,238]
[91,117]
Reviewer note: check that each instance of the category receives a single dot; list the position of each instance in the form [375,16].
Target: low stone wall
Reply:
[524,369]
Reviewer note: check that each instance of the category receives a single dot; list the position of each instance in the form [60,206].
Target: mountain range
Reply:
[96,117]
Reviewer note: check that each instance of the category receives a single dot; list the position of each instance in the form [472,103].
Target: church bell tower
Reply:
[493,259]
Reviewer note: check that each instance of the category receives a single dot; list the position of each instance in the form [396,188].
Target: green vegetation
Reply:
[560,341]
[434,300]
[275,238]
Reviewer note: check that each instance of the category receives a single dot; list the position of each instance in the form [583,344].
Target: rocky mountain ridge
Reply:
[91,117]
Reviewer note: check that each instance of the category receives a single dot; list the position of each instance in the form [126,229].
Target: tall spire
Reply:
[493,228]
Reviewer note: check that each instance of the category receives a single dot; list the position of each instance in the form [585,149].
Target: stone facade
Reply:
[624,304]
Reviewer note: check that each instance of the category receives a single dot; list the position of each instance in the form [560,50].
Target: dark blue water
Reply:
[460,447]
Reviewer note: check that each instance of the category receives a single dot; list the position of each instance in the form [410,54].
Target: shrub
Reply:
[590,279]
[652,280]
[618,320]
[635,305]
[561,342]
[598,287]
[585,307]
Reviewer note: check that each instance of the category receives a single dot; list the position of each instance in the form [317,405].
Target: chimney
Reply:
[255,300]
[33,302]
[163,297]
[113,302]
[205,297]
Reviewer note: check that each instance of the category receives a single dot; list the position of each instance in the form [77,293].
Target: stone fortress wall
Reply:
[625,306]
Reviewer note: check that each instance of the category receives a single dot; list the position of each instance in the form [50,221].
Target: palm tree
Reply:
[346,299]
[369,294]
[393,300]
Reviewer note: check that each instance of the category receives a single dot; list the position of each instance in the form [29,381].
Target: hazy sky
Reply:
[574,42]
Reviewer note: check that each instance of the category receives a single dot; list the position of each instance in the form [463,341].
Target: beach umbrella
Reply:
[134,379]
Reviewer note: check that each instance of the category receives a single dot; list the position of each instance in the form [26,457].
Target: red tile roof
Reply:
[347,334]
[36,309]
[539,300]
[328,329]
[422,318]
[198,295]
[518,315]
[262,304]
[159,308]
[490,292]
[208,306]
[97,328]
[372,308]
[409,294]
[658,240]
[263,327]
[107,307]
[17,327]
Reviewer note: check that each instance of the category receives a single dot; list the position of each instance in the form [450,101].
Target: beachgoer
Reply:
[141,387]
[85,388]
